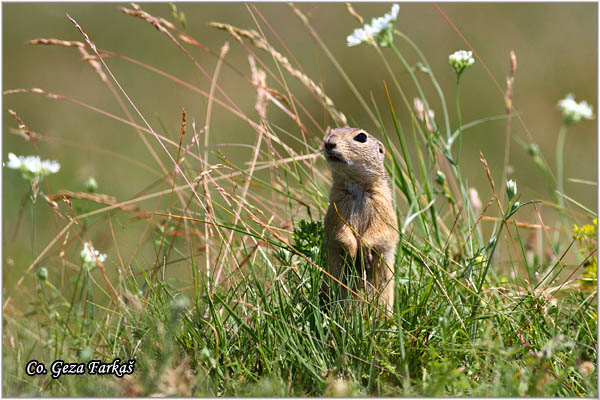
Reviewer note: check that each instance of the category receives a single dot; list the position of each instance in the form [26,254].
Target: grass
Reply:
[480,310]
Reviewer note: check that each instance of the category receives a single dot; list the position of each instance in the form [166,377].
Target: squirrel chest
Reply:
[357,206]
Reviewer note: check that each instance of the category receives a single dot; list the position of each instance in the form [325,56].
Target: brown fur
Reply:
[361,229]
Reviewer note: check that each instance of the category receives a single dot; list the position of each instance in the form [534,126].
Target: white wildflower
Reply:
[573,112]
[32,166]
[380,30]
[511,188]
[89,256]
[461,59]
[13,161]
[50,167]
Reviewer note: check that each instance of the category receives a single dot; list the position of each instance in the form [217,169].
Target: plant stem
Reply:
[33,226]
[458,113]
[560,147]
[433,80]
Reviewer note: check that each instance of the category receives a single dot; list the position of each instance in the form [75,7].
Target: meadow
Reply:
[164,189]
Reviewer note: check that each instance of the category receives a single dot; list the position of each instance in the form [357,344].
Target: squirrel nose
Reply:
[329,143]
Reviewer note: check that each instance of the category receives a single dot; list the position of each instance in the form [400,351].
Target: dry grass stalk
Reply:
[259,81]
[356,15]
[266,93]
[139,13]
[22,127]
[93,61]
[95,197]
[510,80]
[24,135]
[508,97]
[524,225]
[259,42]
[56,42]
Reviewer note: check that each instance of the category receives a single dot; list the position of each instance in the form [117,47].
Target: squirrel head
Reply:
[354,155]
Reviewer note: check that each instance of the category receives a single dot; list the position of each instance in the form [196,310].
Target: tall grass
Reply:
[480,310]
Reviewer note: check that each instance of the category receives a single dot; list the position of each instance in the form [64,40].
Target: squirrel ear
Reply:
[381,149]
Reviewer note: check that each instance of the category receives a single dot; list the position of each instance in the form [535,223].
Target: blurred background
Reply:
[555,43]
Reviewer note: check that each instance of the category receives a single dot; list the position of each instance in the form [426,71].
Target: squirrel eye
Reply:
[361,137]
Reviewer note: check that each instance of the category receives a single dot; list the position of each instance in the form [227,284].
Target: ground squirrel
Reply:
[361,230]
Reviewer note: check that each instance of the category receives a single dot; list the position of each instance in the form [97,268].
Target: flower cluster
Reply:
[32,167]
[586,237]
[380,30]
[573,112]
[587,231]
[89,256]
[460,60]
